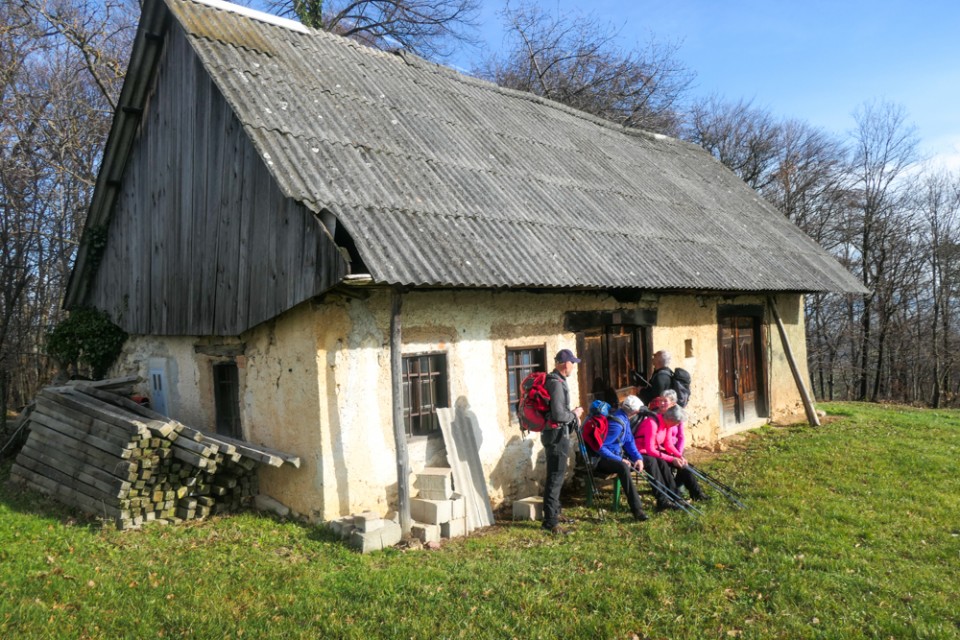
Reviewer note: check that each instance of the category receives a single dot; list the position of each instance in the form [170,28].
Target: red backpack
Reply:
[533,407]
[595,431]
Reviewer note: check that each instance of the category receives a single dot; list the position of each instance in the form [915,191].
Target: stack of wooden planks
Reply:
[107,455]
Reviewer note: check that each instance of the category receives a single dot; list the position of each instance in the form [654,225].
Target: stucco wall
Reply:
[316,382]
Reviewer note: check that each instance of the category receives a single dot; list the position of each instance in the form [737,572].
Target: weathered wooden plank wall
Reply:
[202,241]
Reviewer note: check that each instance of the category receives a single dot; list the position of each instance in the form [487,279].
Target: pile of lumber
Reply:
[105,454]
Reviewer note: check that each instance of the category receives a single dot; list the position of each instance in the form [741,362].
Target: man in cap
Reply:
[556,441]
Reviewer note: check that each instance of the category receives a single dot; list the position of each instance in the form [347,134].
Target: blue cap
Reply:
[565,355]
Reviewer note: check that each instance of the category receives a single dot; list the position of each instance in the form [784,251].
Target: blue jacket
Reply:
[619,439]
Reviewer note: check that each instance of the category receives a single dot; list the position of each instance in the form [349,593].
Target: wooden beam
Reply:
[399,431]
[797,378]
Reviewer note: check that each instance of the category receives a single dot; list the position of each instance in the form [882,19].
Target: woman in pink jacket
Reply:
[649,438]
[672,419]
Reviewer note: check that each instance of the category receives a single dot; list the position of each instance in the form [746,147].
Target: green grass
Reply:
[852,530]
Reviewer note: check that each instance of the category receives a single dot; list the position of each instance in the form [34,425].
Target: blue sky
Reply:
[811,60]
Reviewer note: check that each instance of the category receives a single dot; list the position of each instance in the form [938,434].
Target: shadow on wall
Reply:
[519,472]
[469,437]
[336,441]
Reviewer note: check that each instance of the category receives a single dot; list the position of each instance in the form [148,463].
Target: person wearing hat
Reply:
[618,454]
[556,441]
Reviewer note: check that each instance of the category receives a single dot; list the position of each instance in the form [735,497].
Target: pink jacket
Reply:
[650,438]
[674,441]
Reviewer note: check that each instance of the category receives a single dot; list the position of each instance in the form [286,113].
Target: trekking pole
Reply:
[673,496]
[586,465]
[717,482]
[724,490]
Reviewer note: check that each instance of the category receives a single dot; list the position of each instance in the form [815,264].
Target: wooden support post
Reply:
[804,395]
[399,432]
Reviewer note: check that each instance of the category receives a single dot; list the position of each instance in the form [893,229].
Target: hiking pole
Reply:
[586,465]
[724,490]
[673,496]
[717,482]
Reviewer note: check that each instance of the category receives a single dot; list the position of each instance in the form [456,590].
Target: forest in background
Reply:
[866,196]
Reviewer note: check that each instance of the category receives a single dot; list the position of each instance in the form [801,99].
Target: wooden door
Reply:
[741,380]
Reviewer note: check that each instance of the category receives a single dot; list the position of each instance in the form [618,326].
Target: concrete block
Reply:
[430,511]
[528,509]
[365,542]
[458,507]
[425,532]
[438,481]
[454,528]
[390,534]
[367,521]
[434,494]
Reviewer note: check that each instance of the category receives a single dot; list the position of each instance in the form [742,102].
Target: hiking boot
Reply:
[641,517]
[668,506]
[702,497]
[566,520]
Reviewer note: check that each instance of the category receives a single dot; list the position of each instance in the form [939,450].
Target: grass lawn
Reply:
[852,530]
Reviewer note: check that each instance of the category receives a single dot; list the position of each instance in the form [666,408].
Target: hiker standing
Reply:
[556,441]
[661,378]
[610,458]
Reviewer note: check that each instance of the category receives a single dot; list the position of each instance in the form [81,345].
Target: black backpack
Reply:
[680,382]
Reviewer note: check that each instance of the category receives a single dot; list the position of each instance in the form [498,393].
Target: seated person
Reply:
[648,440]
[673,418]
[618,454]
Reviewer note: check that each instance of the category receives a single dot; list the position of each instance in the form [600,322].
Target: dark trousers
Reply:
[662,476]
[685,477]
[556,445]
[623,471]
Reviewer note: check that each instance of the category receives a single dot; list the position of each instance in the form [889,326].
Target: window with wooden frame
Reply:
[609,356]
[425,389]
[226,397]
[521,362]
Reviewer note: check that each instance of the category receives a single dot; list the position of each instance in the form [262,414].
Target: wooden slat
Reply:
[80,440]
[33,459]
[83,423]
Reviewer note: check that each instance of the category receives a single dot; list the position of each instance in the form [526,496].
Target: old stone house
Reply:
[294,228]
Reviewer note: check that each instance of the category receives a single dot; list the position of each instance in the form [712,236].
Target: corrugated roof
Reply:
[443,179]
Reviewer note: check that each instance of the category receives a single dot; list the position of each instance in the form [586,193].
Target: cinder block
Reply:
[434,494]
[430,511]
[458,506]
[426,532]
[367,521]
[438,481]
[528,509]
[454,528]
[390,534]
[366,542]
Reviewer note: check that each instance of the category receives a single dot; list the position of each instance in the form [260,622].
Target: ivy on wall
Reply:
[87,337]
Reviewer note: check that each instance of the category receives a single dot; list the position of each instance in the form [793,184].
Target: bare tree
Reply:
[60,73]
[939,206]
[429,28]
[884,147]
[576,61]
[747,140]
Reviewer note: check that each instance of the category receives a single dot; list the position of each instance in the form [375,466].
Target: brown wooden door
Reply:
[740,369]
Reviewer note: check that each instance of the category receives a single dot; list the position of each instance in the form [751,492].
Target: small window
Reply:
[226,396]
[521,363]
[425,388]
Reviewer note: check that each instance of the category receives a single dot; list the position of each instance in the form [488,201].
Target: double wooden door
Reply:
[741,340]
